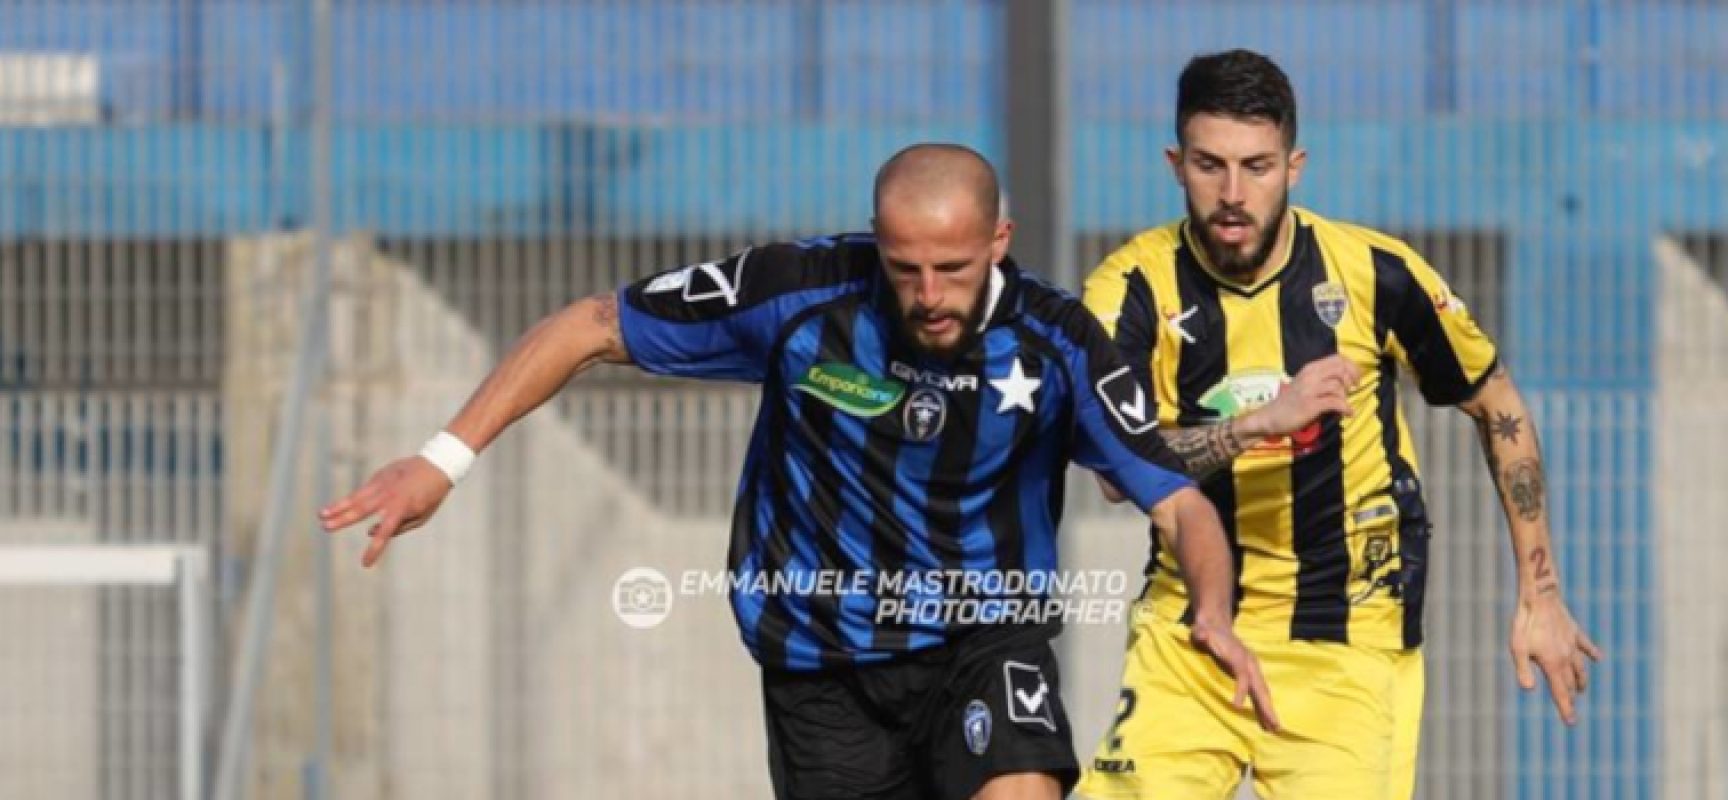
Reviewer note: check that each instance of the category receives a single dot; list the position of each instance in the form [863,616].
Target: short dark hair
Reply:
[1236,83]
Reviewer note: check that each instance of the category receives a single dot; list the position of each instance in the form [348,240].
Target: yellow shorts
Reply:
[1352,718]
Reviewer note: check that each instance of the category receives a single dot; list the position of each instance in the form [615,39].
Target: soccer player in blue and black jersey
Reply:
[922,397]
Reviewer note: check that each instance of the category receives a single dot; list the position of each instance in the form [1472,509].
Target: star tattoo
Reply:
[1507,427]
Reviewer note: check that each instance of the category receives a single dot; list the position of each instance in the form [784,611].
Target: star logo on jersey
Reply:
[1016,390]
[1177,321]
[1330,303]
[925,413]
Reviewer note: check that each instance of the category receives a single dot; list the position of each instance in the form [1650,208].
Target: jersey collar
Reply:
[1291,241]
[992,297]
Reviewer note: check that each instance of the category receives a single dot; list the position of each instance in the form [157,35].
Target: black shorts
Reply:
[934,725]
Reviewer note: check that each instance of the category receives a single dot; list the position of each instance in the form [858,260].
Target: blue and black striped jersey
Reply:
[873,462]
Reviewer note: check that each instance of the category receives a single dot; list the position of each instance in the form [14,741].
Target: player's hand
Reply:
[404,494]
[1219,641]
[1544,632]
[1322,387]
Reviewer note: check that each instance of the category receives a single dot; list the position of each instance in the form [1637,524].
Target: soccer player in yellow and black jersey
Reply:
[1328,525]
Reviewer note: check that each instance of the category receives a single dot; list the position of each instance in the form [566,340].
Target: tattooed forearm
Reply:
[1506,427]
[1544,574]
[1206,449]
[1513,450]
[1539,560]
[1523,483]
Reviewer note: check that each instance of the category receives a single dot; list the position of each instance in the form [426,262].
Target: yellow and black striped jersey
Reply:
[1328,526]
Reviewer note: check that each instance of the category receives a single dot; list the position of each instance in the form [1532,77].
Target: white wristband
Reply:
[449,454]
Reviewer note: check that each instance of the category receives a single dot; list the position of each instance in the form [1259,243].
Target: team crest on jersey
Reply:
[1330,303]
[976,727]
[925,413]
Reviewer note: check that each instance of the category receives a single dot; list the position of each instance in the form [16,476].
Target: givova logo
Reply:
[850,389]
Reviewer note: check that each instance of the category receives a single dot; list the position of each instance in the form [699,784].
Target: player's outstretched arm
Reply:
[1543,630]
[1190,527]
[405,493]
[1322,387]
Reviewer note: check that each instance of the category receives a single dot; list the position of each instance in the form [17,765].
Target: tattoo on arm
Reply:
[1539,559]
[1524,484]
[1506,427]
[1206,449]
[1544,573]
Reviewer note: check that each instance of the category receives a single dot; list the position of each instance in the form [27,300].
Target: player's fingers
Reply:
[1262,695]
[1589,647]
[1339,403]
[1352,369]
[1580,672]
[358,505]
[1343,369]
[1521,663]
[1332,399]
[349,515]
[1347,374]
[1561,689]
[410,524]
[340,504]
[1322,374]
[1202,639]
[381,534]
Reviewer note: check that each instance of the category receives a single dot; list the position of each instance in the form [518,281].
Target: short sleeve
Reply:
[1428,327]
[718,319]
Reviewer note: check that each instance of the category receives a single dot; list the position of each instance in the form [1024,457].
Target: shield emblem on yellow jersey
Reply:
[1330,303]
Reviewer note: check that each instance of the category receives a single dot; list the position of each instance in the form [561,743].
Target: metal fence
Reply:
[1560,160]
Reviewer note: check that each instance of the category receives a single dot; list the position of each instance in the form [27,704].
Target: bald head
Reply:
[939,231]
[940,180]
